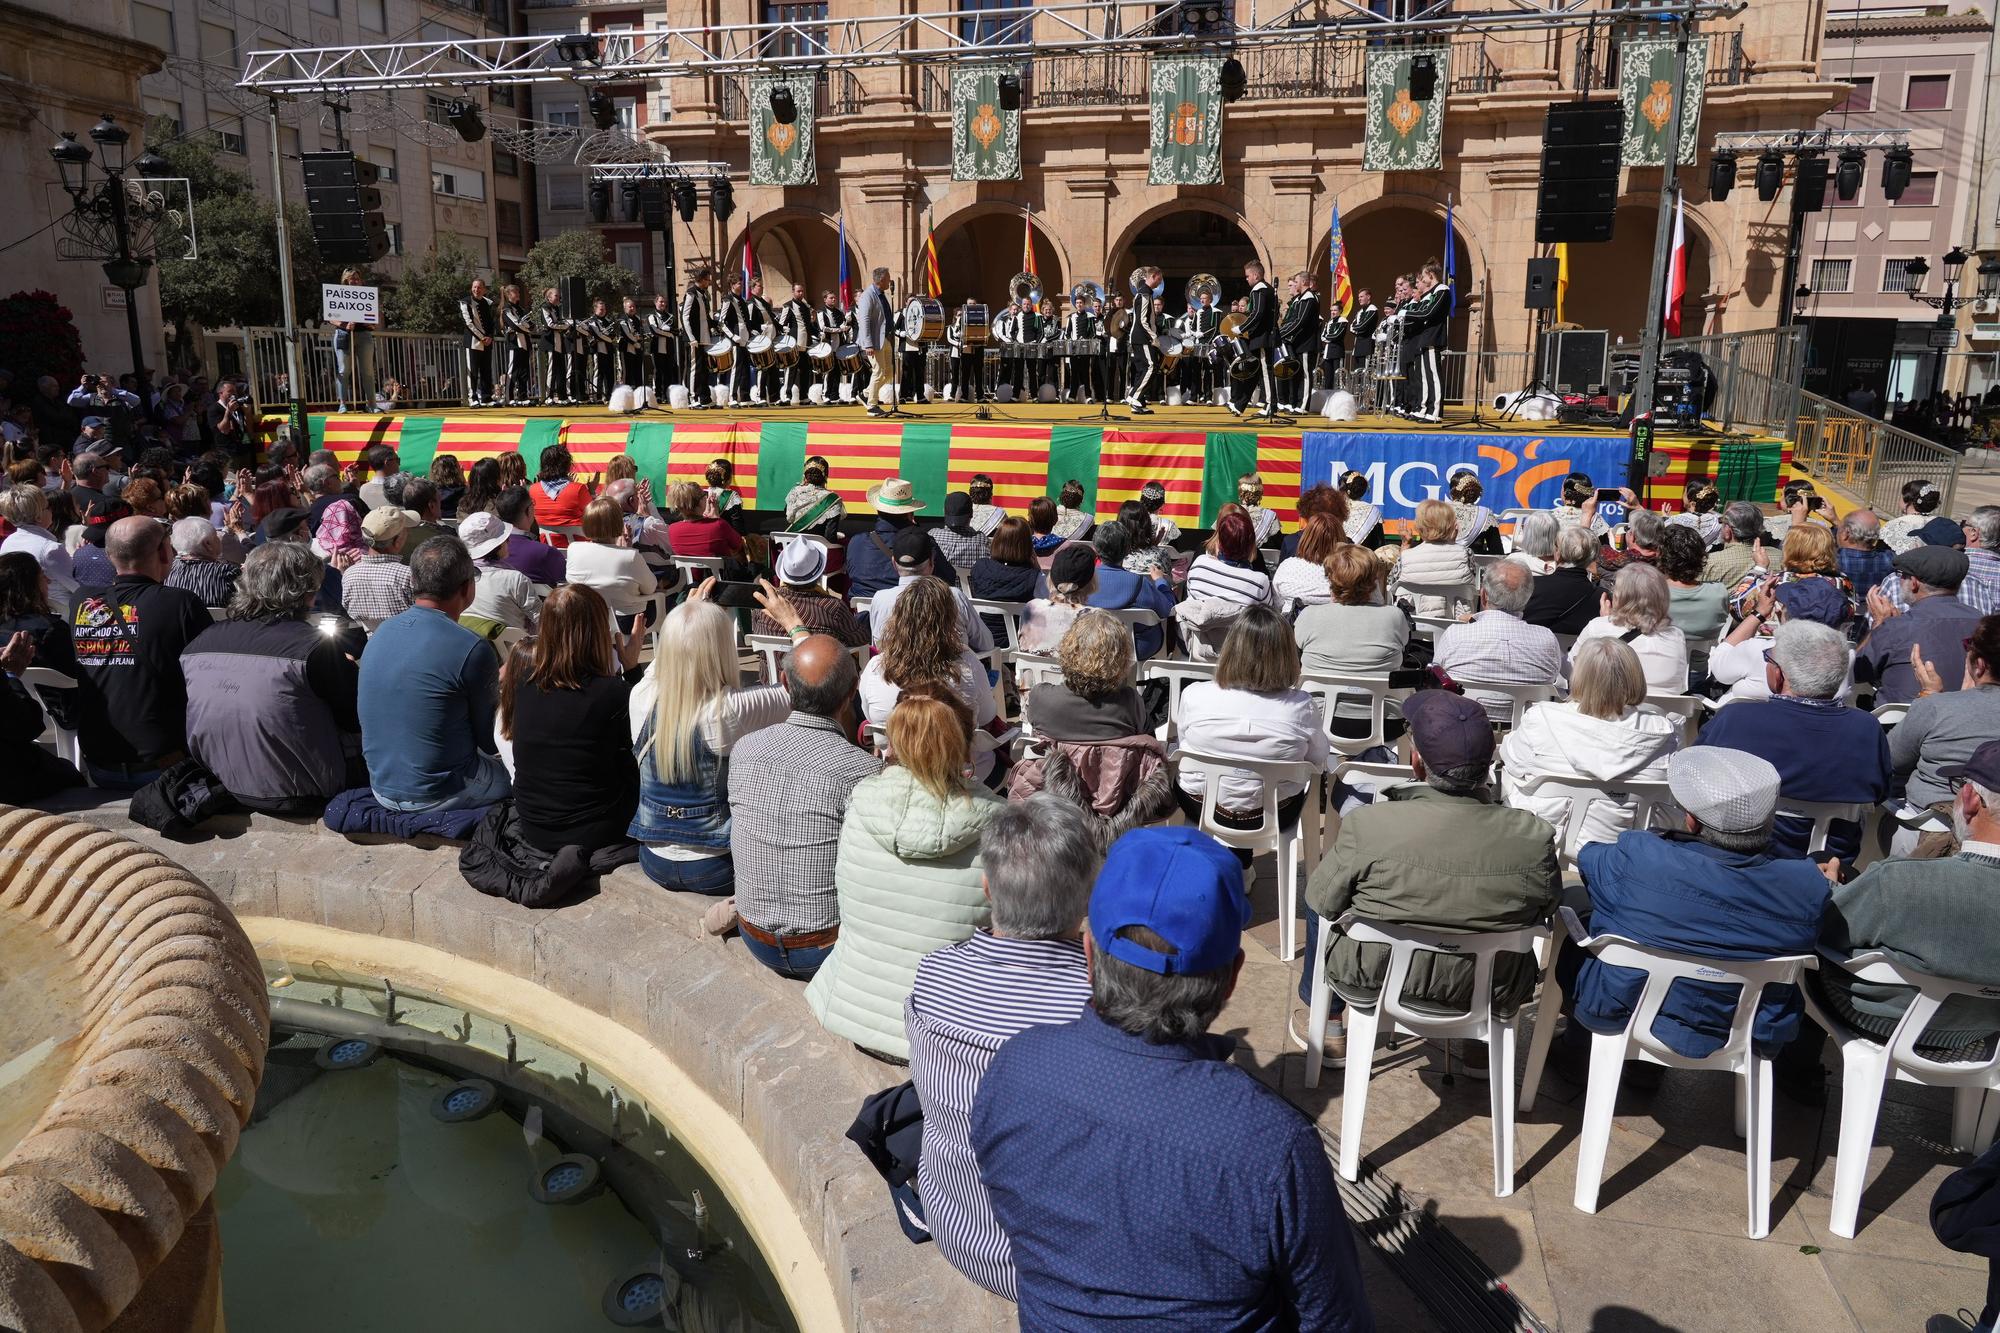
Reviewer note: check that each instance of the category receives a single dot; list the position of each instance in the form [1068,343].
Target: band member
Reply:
[1198,327]
[795,321]
[733,323]
[1260,327]
[1145,337]
[662,343]
[1332,349]
[517,335]
[830,323]
[1047,364]
[762,319]
[631,345]
[1300,335]
[1367,316]
[875,331]
[555,339]
[603,330]
[1117,324]
[909,345]
[1390,335]
[697,332]
[475,310]
[1001,333]
[1424,330]
[1081,330]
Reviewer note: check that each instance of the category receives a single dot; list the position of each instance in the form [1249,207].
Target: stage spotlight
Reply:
[1234,80]
[579,49]
[1847,176]
[1721,176]
[1895,173]
[1423,79]
[1770,174]
[603,111]
[784,109]
[721,199]
[600,202]
[685,200]
[1010,92]
[464,117]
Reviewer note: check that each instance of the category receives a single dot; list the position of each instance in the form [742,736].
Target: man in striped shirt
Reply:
[1040,858]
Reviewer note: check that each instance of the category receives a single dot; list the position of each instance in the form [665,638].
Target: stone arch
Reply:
[1394,233]
[1126,253]
[797,245]
[979,252]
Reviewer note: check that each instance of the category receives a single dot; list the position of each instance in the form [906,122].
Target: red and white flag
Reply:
[1677,269]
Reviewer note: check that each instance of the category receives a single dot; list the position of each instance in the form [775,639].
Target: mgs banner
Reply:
[782,154]
[1405,470]
[1646,87]
[1187,121]
[985,140]
[1403,133]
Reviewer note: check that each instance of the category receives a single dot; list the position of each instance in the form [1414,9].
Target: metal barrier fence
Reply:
[1868,457]
[1496,373]
[1757,376]
[428,369]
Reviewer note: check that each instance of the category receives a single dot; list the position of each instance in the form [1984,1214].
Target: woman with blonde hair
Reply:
[1437,558]
[1477,530]
[1604,734]
[686,716]
[604,559]
[1637,609]
[1810,552]
[924,643]
[908,875]
[1095,699]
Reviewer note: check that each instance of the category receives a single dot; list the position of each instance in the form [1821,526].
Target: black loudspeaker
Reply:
[1809,185]
[345,208]
[1542,275]
[653,205]
[1578,191]
[576,298]
[1575,360]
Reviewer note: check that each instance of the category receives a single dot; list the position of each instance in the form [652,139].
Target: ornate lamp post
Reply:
[113,219]
[1948,302]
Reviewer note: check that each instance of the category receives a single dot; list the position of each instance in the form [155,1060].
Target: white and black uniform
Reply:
[1332,349]
[476,313]
[695,338]
[663,343]
[762,319]
[1260,327]
[1145,336]
[514,316]
[966,362]
[632,349]
[554,337]
[1081,326]
[1363,327]
[830,323]
[1198,327]
[795,321]
[1301,337]
[1002,333]
[1423,341]
[733,317]
[604,331]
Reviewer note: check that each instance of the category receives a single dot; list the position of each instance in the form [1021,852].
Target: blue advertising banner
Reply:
[1404,470]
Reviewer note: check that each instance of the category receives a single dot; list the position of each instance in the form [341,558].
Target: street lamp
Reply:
[1947,302]
[106,222]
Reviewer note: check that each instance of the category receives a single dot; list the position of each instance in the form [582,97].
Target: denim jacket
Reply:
[690,814]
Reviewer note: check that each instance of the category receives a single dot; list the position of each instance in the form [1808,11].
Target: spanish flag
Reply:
[1028,245]
[933,283]
[1562,277]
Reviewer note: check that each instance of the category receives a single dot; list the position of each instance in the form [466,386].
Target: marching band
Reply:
[1256,358]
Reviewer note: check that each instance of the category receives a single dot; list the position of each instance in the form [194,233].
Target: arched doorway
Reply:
[801,248]
[979,257]
[1186,242]
[1609,280]
[1400,238]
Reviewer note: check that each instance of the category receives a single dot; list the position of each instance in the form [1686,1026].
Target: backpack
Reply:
[179,799]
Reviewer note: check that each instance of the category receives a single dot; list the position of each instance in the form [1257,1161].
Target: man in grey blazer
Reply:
[873,320]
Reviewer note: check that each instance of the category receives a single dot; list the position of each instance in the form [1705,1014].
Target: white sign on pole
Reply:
[362,305]
[1943,338]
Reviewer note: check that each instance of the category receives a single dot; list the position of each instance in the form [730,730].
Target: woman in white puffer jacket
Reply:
[1438,558]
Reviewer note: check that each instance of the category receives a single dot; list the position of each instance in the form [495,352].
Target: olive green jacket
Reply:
[1421,858]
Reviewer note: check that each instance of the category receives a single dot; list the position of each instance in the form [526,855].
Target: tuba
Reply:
[1025,287]
[1141,289]
[1204,284]
[1086,291]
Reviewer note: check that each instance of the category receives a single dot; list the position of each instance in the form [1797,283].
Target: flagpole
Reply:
[1655,325]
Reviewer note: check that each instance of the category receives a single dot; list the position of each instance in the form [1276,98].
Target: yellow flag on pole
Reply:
[1562,277]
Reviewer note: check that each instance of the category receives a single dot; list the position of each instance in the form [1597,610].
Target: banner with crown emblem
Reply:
[1187,121]
[1405,133]
[1646,87]
[782,154]
[985,138]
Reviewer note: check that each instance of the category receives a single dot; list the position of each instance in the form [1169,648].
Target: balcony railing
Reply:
[1728,66]
[835,93]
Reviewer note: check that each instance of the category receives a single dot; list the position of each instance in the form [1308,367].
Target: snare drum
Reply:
[1283,364]
[975,332]
[821,355]
[785,351]
[923,319]
[1171,352]
[1244,367]
[759,349]
[851,357]
[722,355]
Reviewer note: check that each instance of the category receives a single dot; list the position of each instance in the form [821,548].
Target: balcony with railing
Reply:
[1728,65]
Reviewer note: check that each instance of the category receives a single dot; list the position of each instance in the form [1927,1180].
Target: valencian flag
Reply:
[1677,269]
[1186,135]
[933,283]
[750,268]
[985,137]
[782,154]
[1646,87]
[1339,281]
[846,284]
[1405,134]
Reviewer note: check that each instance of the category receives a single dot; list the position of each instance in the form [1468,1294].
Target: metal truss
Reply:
[1809,141]
[943,34]
[655,171]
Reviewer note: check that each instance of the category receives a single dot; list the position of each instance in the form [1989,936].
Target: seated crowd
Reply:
[947,806]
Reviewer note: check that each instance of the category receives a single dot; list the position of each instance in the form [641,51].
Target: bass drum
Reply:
[821,355]
[851,357]
[759,350]
[722,355]
[977,325]
[785,351]
[923,320]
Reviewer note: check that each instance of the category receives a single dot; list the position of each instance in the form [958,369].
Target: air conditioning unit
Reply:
[1988,306]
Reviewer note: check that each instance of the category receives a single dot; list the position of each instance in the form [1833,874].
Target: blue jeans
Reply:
[354,368]
[122,778]
[797,964]
[711,876]
[485,783]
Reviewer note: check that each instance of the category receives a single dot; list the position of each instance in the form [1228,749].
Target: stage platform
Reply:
[1032,449]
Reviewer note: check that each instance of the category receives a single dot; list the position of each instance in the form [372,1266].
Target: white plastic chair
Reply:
[1030,670]
[1686,707]
[1737,1055]
[1520,697]
[1890,714]
[65,742]
[1296,852]
[1432,627]
[1868,1063]
[1331,689]
[771,650]
[1459,591]
[693,566]
[571,532]
[218,614]
[1822,814]
[507,640]
[1477,1023]
[1133,616]
[1178,675]
[1644,800]
[1010,616]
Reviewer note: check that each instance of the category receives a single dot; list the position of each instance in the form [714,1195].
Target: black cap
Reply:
[1074,565]
[957,506]
[912,548]
[1983,767]
[282,523]
[1936,566]
[97,520]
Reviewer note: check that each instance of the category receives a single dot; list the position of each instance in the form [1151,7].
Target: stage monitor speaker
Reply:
[1542,274]
[576,298]
[1576,360]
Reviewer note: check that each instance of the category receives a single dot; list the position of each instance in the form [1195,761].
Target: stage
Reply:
[1031,449]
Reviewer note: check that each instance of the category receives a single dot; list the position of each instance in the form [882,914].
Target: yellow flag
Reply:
[1562,277]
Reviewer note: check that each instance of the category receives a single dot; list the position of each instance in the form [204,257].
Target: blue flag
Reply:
[1450,260]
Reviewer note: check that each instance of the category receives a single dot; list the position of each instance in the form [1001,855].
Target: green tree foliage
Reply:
[576,254]
[38,337]
[235,279]
[426,300]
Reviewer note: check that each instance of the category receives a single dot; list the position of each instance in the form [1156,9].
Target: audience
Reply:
[1314,502]
[1027,970]
[924,643]
[377,586]
[527,553]
[1360,520]
[700,530]
[1863,557]
[1942,729]
[801,569]
[909,874]
[1300,580]
[504,596]
[605,561]
[963,544]
[1072,579]
[198,564]
[1222,1206]
[1073,522]
[1354,634]
[1253,709]
[1536,537]
[1637,610]
[1496,646]
[26,509]
[28,772]
[1738,661]
[273,702]
[1228,572]
[1005,572]
[871,564]
[789,788]
[1920,501]
[1701,610]
[1437,561]
[424,509]
[1936,624]
[1568,597]
[913,551]
[1477,530]
[429,691]
[1808,553]
[449,480]
[1742,530]
[559,499]
[1118,589]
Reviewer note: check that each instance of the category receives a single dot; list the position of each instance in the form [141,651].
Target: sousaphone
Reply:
[1025,287]
[1204,284]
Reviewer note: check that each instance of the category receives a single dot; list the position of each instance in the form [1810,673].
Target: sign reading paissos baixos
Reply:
[1405,470]
[361,305]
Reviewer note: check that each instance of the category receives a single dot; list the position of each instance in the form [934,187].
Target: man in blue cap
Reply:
[1138,1175]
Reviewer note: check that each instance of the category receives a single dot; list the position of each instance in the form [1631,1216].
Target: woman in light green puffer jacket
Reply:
[909,880]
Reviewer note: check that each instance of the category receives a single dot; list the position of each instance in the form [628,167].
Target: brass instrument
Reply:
[1204,284]
[1086,291]
[1141,289]
[1026,287]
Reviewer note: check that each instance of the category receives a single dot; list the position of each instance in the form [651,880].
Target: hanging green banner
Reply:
[985,138]
[1187,121]
[1646,87]
[1405,130]
[781,153]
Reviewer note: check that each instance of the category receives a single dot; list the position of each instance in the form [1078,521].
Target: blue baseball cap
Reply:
[1182,885]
